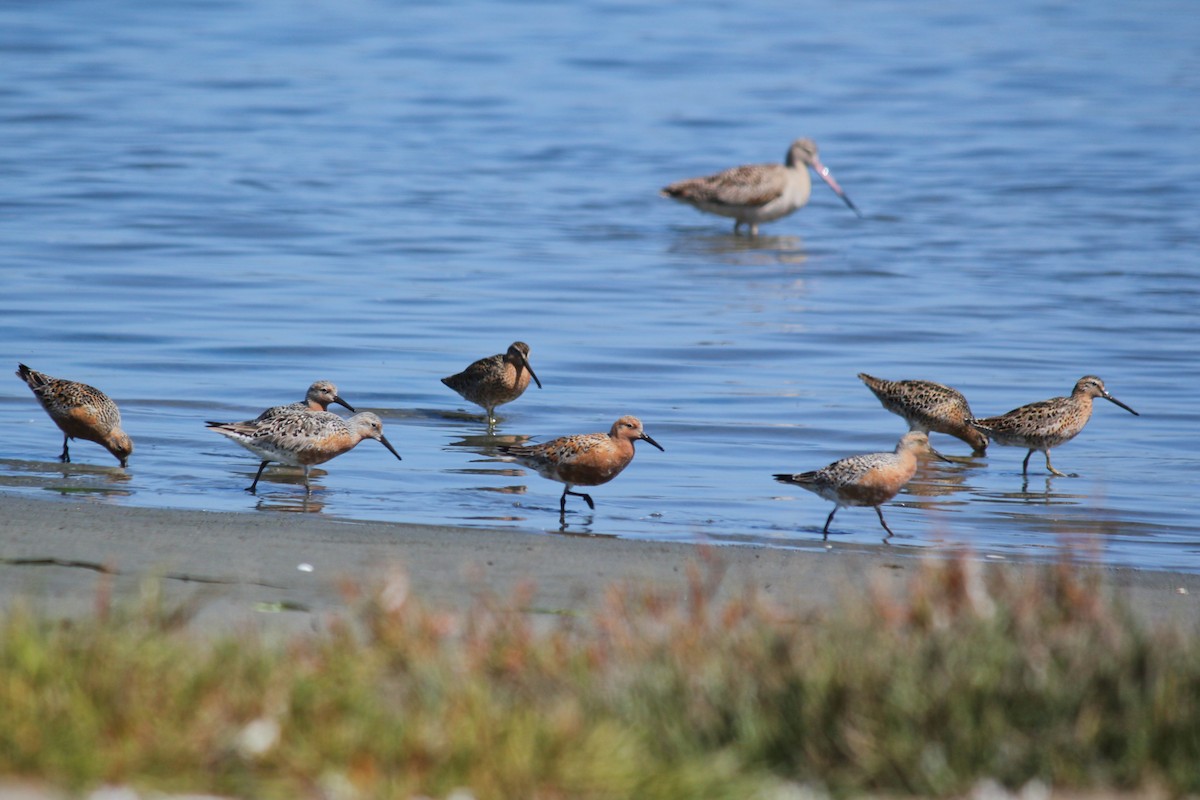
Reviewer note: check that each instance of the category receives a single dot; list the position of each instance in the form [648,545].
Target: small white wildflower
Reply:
[257,737]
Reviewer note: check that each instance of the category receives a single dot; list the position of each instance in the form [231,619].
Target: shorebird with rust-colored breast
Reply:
[754,193]
[302,438]
[865,480]
[495,380]
[80,412]
[1048,423]
[929,407]
[320,396]
[586,459]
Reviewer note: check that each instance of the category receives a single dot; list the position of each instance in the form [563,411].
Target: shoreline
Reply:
[251,569]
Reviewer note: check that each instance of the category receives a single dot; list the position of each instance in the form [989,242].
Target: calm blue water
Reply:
[208,205]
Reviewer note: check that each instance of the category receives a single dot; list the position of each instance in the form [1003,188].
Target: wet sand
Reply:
[251,569]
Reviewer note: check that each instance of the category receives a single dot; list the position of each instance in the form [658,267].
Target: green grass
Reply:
[961,677]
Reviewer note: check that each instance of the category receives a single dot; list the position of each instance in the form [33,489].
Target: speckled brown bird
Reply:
[929,407]
[319,397]
[1048,423]
[754,193]
[302,438]
[586,459]
[81,412]
[865,480]
[495,380]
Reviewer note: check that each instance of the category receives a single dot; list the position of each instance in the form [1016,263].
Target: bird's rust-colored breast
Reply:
[878,485]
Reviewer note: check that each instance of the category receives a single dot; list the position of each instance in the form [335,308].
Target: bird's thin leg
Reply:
[1050,467]
[586,498]
[65,455]
[307,485]
[879,511]
[829,519]
[1025,463]
[254,485]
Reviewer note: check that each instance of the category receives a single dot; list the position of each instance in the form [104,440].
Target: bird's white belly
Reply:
[791,199]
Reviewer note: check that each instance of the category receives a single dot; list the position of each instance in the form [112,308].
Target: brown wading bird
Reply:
[319,397]
[586,459]
[866,480]
[1048,423]
[302,438]
[81,412]
[929,407]
[495,380]
[754,193]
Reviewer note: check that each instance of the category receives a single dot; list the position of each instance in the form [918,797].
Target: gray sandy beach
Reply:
[292,572]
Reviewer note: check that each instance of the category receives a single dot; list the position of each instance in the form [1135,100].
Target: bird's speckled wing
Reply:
[747,185]
[1043,416]
[558,451]
[275,411]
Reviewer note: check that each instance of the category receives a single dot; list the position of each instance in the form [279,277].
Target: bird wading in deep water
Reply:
[755,193]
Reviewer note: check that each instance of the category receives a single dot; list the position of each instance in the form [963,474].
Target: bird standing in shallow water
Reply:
[866,480]
[928,407]
[586,459]
[319,397]
[495,380]
[754,193]
[81,412]
[1048,423]
[302,438]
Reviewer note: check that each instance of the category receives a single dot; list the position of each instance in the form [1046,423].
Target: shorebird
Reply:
[302,438]
[928,407]
[865,480]
[495,380]
[81,412]
[319,397]
[586,459]
[1048,423]
[754,193]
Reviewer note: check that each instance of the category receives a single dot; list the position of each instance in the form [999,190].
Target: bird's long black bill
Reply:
[532,374]
[383,441]
[651,441]
[342,402]
[854,208]
[1122,405]
[941,457]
